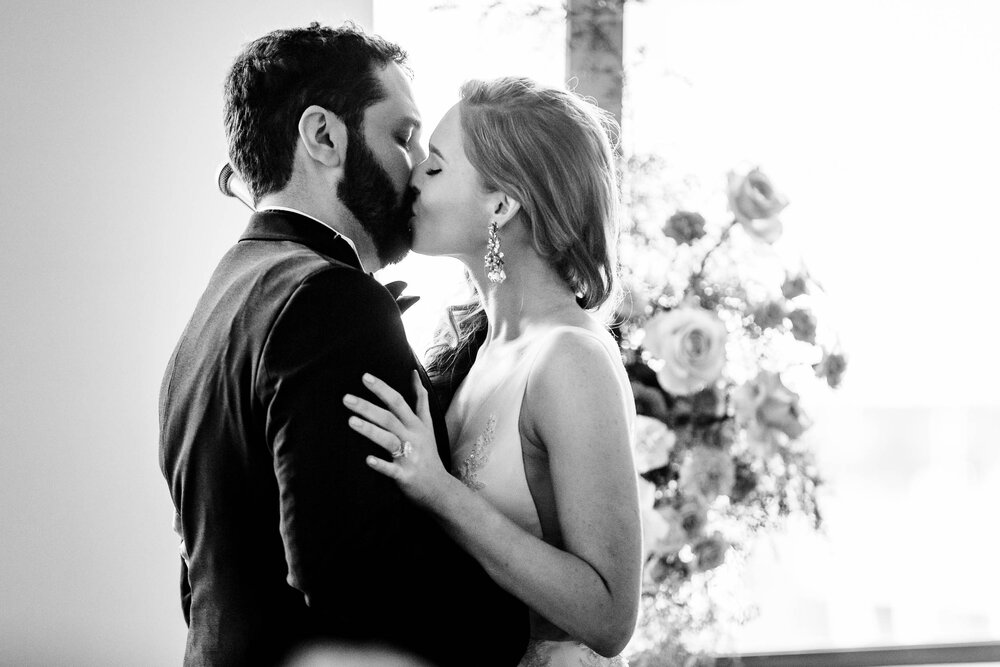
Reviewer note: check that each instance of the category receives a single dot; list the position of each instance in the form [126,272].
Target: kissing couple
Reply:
[329,489]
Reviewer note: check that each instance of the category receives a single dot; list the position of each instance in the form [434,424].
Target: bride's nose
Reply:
[419,153]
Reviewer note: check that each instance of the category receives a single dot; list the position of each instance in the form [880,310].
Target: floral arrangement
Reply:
[715,332]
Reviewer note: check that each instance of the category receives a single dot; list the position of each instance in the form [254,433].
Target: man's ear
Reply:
[323,135]
[505,208]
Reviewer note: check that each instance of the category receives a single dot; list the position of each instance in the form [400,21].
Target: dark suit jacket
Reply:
[290,536]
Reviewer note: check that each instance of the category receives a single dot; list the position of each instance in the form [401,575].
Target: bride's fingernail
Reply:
[371,460]
[350,400]
[368,379]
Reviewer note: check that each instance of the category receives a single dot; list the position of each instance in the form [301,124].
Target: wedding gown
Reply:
[489,456]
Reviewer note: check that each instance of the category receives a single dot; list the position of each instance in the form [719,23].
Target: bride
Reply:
[541,424]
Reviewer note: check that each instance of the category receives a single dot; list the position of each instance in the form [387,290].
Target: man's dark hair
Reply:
[279,75]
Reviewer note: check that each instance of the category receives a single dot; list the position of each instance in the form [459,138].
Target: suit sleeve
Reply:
[340,521]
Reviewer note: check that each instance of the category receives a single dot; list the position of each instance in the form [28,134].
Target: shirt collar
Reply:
[306,215]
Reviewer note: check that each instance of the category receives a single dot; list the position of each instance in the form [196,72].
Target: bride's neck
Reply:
[533,292]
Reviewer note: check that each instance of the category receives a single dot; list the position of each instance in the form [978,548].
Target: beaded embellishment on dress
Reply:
[544,653]
[468,471]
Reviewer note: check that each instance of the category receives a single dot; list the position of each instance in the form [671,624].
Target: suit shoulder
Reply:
[305,261]
[282,271]
[343,283]
[336,295]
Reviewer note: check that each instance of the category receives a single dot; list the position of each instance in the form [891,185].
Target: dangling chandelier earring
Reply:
[494,258]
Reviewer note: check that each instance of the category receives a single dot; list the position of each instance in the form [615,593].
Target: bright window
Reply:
[879,121]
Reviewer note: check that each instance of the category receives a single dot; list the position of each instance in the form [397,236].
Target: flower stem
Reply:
[697,275]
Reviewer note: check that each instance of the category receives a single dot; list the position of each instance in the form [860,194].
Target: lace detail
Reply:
[468,470]
[544,653]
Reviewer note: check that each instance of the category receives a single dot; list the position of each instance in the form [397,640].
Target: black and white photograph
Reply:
[500,333]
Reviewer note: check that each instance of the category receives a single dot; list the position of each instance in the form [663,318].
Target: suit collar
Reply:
[284,225]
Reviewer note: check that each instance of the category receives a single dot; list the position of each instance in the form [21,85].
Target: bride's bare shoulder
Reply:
[570,322]
[575,360]
[577,389]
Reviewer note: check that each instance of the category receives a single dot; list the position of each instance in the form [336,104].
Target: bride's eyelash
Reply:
[432,172]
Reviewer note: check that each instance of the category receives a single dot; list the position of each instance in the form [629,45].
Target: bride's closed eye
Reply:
[433,172]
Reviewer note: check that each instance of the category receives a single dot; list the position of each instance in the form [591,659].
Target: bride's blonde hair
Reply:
[554,153]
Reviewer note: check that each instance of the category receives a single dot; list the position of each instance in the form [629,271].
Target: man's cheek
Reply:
[401,178]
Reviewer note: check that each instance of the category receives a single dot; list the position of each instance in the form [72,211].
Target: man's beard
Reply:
[367,192]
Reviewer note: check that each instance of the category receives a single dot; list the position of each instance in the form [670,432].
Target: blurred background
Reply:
[876,117]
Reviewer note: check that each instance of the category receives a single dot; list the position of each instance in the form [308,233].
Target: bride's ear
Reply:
[505,208]
[323,135]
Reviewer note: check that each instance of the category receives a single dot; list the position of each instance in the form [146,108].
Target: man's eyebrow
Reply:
[435,151]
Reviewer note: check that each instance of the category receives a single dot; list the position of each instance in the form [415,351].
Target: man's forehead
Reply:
[398,105]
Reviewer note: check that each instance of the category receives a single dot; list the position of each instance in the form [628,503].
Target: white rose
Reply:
[766,402]
[756,204]
[653,442]
[691,343]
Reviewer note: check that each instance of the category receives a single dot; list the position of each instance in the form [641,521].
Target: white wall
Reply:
[110,128]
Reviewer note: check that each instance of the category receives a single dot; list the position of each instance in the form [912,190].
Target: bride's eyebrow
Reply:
[435,151]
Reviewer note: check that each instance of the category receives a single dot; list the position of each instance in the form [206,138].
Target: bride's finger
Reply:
[388,469]
[392,399]
[373,413]
[423,403]
[379,436]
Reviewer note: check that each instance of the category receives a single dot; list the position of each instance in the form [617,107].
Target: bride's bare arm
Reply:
[590,589]
[578,410]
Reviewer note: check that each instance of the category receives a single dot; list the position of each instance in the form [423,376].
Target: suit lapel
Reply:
[437,415]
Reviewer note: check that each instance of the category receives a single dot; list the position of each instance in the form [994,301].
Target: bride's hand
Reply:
[409,437]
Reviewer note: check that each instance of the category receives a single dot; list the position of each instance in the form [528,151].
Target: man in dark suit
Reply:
[289,536]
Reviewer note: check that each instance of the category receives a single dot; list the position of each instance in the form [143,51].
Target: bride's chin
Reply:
[421,246]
